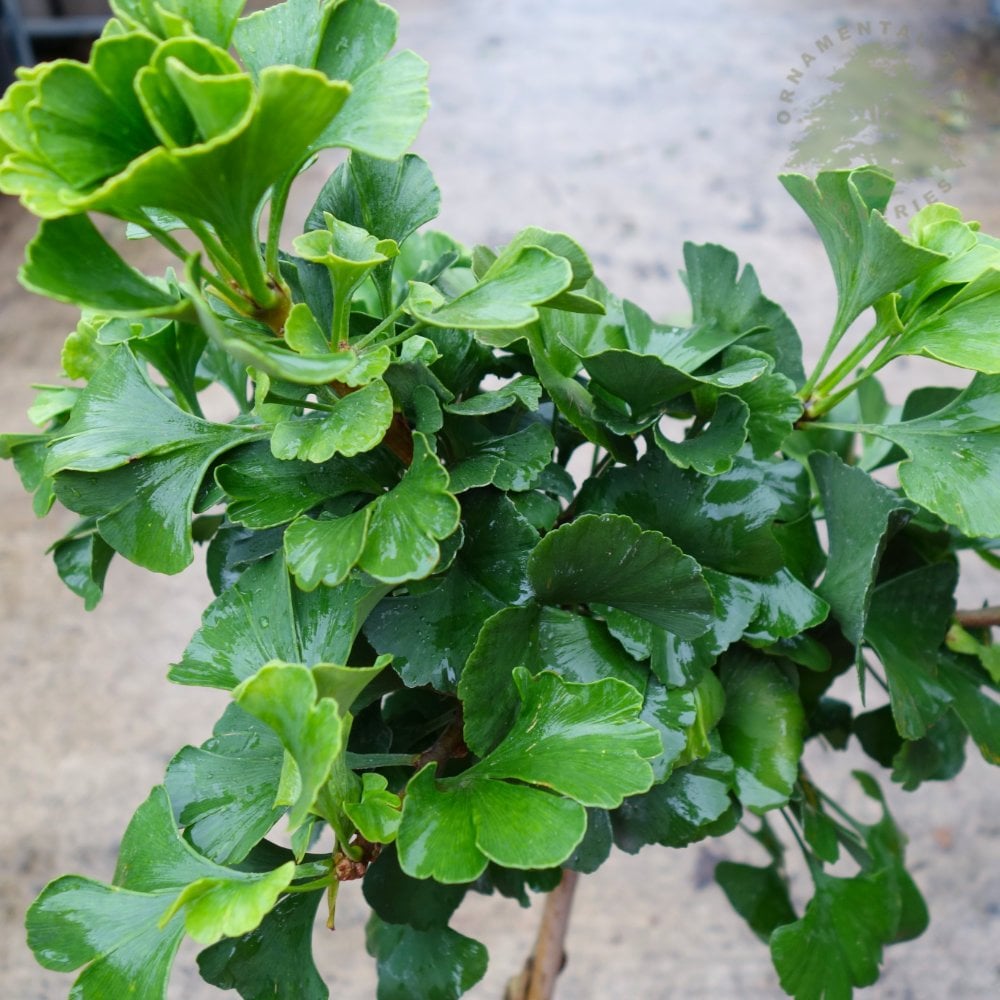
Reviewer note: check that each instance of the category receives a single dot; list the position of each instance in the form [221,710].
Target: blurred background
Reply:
[633,126]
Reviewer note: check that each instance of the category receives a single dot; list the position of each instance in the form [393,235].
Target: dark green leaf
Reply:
[861,516]
[439,964]
[907,622]
[510,462]
[693,803]
[400,899]
[275,960]
[759,895]
[712,449]
[610,560]
[82,562]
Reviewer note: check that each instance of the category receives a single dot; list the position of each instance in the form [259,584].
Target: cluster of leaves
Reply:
[465,667]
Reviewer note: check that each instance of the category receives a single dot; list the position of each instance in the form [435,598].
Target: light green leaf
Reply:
[356,423]
[173,17]
[223,792]
[763,730]
[287,33]
[284,695]
[868,256]
[378,814]
[505,298]
[583,741]
[325,550]
[264,617]
[127,933]
[438,963]
[954,457]
[610,560]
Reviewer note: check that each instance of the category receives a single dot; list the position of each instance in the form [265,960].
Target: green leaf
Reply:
[263,617]
[861,516]
[399,899]
[722,521]
[733,308]
[82,563]
[583,741]
[264,491]
[868,256]
[713,448]
[506,297]
[172,17]
[693,803]
[610,560]
[837,945]
[439,963]
[510,462]
[907,623]
[394,539]
[954,457]
[284,695]
[433,630]
[763,730]
[138,478]
[377,815]
[70,261]
[223,792]
[389,99]
[786,608]
[577,648]
[275,960]
[759,895]
[287,33]
[127,933]
[524,389]
[356,423]
[391,199]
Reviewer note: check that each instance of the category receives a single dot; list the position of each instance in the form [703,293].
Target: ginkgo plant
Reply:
[455,667]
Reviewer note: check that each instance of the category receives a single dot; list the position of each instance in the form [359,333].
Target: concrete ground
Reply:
[633,126]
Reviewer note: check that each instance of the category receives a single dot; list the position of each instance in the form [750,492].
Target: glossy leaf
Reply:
[393,539]
[452,827]
[722,521]
[861,516]
[907,622]
[433,630]
[275,960]
[510,462]
[356,423]
[223,792]
[69,260]
[399,899]
[578,649]
[82,563]
[263,617]
[954,457]
[712,449]
[127,933]
[693,803]
[284,696]
[762,730]
[445,963]
[377,815]
[610,560]
[138,478]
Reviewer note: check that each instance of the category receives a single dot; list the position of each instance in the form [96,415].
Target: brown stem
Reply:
[978,617]
[537,980]
[449,744]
